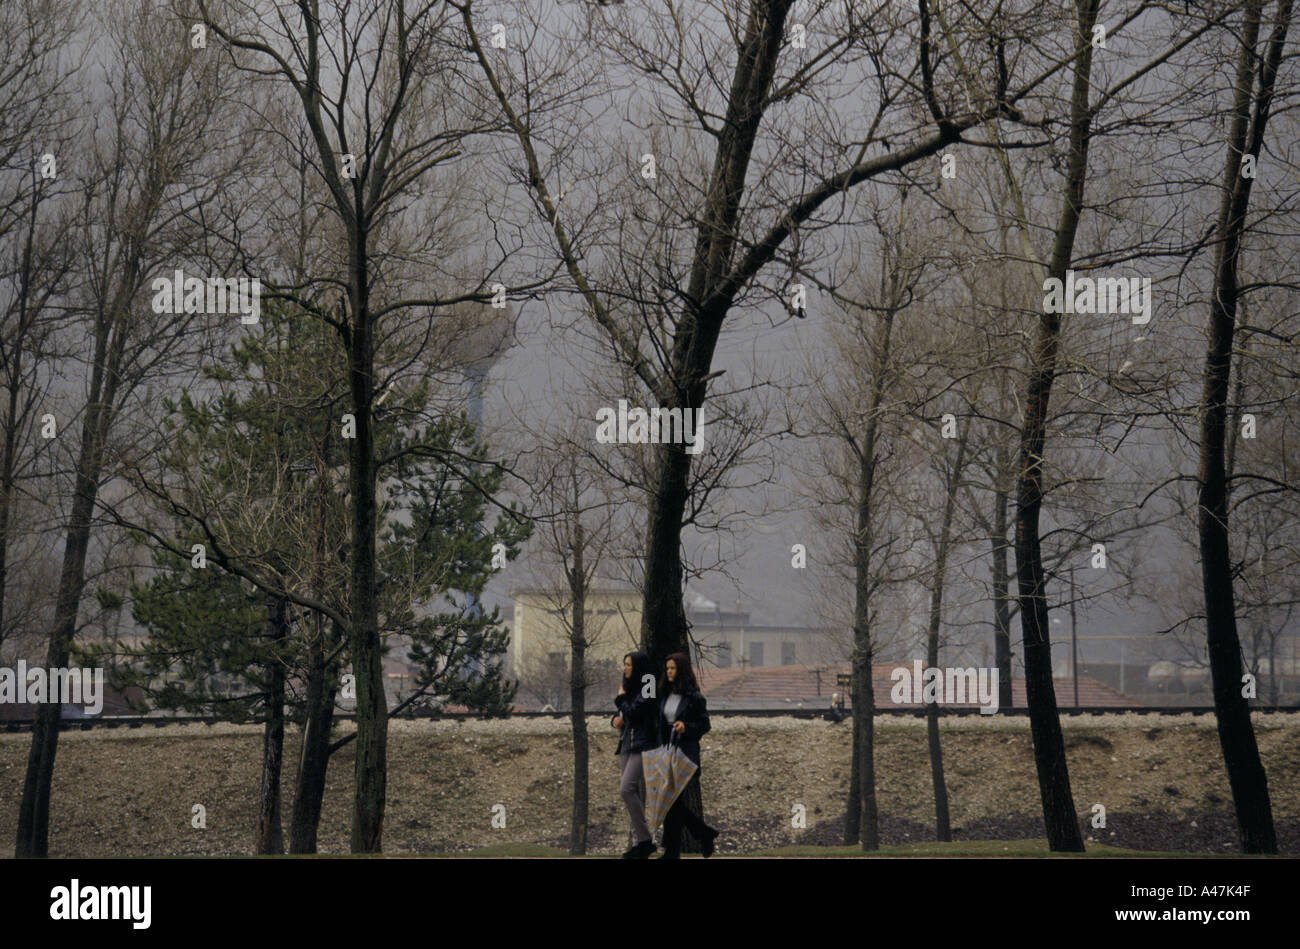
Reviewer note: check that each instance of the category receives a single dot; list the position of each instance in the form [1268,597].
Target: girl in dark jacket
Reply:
[683,718]
[637,716]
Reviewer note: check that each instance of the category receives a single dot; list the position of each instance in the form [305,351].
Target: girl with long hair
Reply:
[637,716]
[683,719]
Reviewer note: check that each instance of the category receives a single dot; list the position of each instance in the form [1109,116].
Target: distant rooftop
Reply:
[799,687]
[599,585]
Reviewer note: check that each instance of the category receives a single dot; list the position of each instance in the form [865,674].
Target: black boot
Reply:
[706,845]
[640,851]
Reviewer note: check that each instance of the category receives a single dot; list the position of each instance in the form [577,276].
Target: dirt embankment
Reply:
[1159,778]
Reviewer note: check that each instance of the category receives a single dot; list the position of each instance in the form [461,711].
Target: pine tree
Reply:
[252,471]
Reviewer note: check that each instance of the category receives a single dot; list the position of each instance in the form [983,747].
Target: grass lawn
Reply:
[969,848]
[964,848]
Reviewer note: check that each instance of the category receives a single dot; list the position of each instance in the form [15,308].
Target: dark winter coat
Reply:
[640,725]
[693,711]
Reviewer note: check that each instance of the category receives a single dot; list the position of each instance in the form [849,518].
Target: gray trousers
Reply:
[632,790]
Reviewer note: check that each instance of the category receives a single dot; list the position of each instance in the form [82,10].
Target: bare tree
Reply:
[663,314]
[951,472]
[366,77]
[576,536]
[34,265]
[1081,111]
[1253,88]
[863,421]
[164,101]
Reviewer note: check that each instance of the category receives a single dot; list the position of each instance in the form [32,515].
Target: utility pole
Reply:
[1121,665]
[1074,642]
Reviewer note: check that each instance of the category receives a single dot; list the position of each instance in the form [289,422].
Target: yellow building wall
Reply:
[613,626]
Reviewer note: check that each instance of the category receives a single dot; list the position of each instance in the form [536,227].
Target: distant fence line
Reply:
[158,721]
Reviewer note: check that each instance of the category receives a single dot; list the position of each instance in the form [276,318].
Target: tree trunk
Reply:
[853,812]
[1059,814]
[34,812]
[578,694]
[32,837]
[663,623]
[942,826]
[1001,600]
[862,801]
[13,374]
[322,691]
[663,628]
[367,649]
[1236,733]
[663,617]
[864,700]
[864,729]
[9,450]
[270,836]
[7,481]
[315,754]
[578,828]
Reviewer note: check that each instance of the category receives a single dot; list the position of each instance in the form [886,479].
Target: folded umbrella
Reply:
[667,771]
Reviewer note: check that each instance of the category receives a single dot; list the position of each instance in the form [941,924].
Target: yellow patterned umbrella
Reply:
[667,772]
